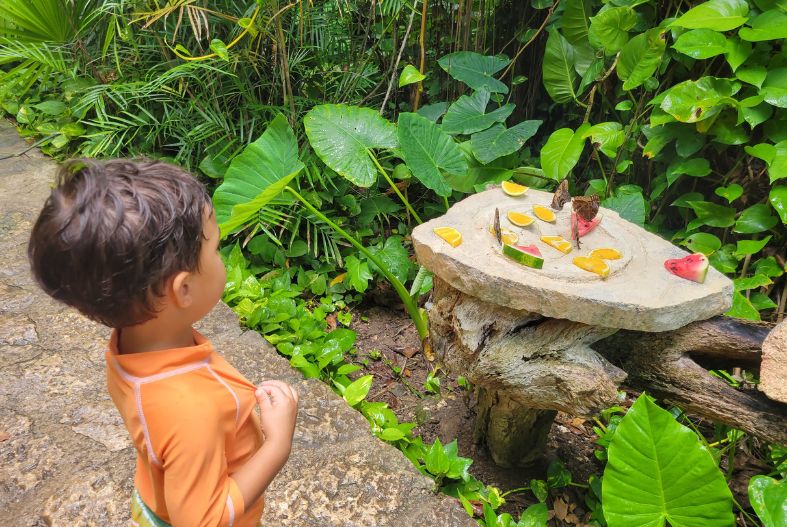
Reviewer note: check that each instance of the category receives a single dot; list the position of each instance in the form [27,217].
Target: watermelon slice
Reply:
[528,255]
[692,267]
[584,226]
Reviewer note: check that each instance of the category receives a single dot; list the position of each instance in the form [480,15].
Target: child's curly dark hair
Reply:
[113,232]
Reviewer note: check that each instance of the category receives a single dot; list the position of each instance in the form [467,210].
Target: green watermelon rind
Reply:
[522,257]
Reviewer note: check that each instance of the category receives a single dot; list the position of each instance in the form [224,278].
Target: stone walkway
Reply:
[65,459]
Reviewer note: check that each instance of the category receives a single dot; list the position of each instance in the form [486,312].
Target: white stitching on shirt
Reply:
[234,396]
[231,507]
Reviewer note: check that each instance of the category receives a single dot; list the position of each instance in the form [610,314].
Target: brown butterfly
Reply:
[498,231]
[562,196]
[586,207]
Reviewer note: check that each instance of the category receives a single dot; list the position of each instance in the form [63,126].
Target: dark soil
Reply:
[389,348]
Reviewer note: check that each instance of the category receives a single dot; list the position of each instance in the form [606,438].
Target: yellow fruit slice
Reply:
[544,213]
[450,235]
[513,189]
[605,254]
[507,236]
[593,265]
[519,219]
[557,242]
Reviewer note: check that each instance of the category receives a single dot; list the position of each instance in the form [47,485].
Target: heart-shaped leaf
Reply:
[576,21]
[561,152]
[428,150]
[778,199]
[640,57]
[746,247]
[356,392]
[410,75]
[342,136]
[770,25]
[757,218]
[719,15]
[468,114]
[500,141]
[257,175]
[609,28]
[730,192]
[768,498]
[701,43]
[702,242]
[475,70]
[742,308]
[659,472]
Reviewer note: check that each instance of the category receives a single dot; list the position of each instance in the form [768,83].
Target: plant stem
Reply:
[395,188]
[409,304]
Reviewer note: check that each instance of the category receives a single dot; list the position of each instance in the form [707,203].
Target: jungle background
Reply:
[673,113]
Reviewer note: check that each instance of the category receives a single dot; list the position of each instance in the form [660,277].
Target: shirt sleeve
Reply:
[198,490]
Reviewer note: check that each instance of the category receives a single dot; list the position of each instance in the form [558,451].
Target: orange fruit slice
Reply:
[558,242]
[544,213]
[519,219]
[507,236]
[450,235]
[514,189]
[593,265]
[605,254]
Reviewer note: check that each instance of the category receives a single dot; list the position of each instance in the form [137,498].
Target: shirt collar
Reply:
[153,362]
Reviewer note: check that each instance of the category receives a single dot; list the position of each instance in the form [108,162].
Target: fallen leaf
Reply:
[407,372]
[407,351]
[561,509]
[331,321]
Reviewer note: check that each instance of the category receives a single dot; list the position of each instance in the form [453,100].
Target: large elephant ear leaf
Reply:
[475,70]
[257,175]
[558,72]
[468,114]
[658,472]
[427,150]
[342,136]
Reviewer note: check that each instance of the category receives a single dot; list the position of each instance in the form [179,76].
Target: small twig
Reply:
[398,58]
[26,150]
[526,44]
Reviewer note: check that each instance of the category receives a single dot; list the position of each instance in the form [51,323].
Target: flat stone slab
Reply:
[773,368]
[639,294]
[65,456]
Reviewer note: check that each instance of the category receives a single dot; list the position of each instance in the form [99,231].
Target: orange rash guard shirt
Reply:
[191,418]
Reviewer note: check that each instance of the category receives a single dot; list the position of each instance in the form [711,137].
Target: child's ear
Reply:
[181,290]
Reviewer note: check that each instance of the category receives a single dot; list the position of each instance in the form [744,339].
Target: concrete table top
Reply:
[639,294]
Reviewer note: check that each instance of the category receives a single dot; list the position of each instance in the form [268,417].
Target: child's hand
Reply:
[278,409]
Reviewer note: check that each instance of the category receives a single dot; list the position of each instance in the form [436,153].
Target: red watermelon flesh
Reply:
[529,249]
[692,267]
[583,225]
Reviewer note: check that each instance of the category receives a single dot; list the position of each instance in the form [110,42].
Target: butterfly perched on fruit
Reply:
[497,230]
[586,208]
[562,196]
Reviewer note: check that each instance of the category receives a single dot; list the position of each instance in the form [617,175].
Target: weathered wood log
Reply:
[669,365]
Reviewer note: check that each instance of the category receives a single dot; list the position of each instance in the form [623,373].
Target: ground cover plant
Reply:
[329,129]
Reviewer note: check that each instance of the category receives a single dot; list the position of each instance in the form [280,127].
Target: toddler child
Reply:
[134,245]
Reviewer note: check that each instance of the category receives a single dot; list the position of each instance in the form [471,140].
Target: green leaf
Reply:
[730,192]
[774,88]
[609,28]
[778,199]
[701,43]
[685,200]
[561,152]
[751,282]
[659,472]
[697,167]
[391,434]
[375,207]
[394,257]
[737,52]
[436,460]
[761,301]
[558,475]
[769,267]
[358,273]
[692,101]
[757,218]
[539,489]
[770,25]
[719,15]
[257,175]
[640,57]
[410,75]
[763,151]
[558,72]
[53,108]
[356,392]
[427,150]
[218,47]
[758,114]
[500,141]
[704,243]
[575,21]
[630,207]
[742,308]
[433,112]
[746,247]
[468,114]
[608,137]
[342,136]
[475,70]
[777,167]
[624,106]
[712,214]
[754,75]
